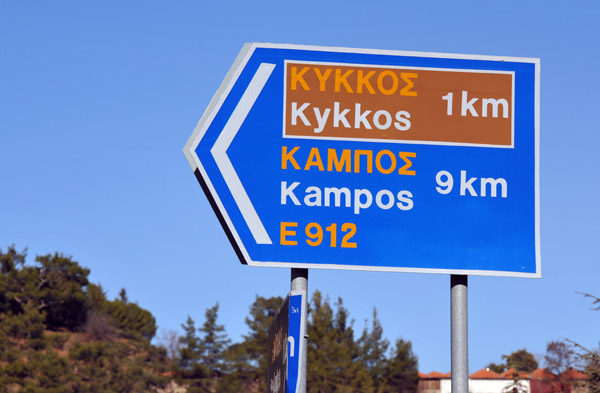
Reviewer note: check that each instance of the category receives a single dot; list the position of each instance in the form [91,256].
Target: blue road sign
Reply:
[277,359]
[296,347]
[286,344]
[316,157]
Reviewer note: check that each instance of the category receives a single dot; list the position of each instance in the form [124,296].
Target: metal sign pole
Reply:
[299,281]
[459,333]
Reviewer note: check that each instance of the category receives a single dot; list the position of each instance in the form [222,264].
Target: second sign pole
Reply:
[299,281]
[459,333]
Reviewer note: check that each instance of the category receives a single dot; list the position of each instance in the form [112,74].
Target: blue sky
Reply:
[97,100]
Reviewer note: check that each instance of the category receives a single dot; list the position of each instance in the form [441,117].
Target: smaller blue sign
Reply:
[284,365]
[296,342]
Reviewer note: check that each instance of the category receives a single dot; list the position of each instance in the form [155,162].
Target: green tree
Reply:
[238,374]
[190,349]
[214,342]
[497,368]
[132,320]
[62,285]
[95,298]
[521,360]
[249,359]
[11,259]
[401,369]
[353,374]
[320,373]
[373,348]
[117,367]
[203,359]
[53,373]
[123,296]
[333,354]
[20,313]
[18,284]
[29,324]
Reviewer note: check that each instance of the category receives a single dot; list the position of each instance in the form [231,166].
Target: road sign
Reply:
[285,342]
[296,343]
[316,157]
[277,358]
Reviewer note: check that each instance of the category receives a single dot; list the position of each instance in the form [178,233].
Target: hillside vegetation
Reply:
[60,334]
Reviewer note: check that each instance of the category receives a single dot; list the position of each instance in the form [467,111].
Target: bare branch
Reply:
[596,300]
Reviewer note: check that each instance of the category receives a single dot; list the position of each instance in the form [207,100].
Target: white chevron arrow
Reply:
[219,152]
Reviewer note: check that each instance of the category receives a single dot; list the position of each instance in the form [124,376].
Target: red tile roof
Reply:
[571,373]
[434,375]
[484,373]
[511,373]
[541,373]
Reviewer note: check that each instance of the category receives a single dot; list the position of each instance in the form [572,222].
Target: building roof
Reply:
[484,373]
[434,375]
[571,373]
[542,373]
[511,373]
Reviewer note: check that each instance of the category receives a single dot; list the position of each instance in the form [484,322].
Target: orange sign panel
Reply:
[407,105]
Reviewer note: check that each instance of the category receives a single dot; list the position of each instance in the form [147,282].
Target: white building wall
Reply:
[445,386]
[488,386]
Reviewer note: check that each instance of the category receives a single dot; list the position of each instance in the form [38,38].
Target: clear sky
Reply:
[97,99]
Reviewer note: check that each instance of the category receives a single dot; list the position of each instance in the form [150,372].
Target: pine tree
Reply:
[521,361]
[29,324]
[214,342]
[238,374]
[95,298]
[401,369]
[190,349]
[320,338]
[11,264]
[62,285]
[373,348]
[352,373]
[333,361]
[249,358]
[132,320]
[123,296]
[56,287]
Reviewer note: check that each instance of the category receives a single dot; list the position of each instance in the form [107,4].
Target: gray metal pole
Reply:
[300,282]
[459,333]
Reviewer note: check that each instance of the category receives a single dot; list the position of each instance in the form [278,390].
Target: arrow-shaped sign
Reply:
[375,160]
[219,152]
